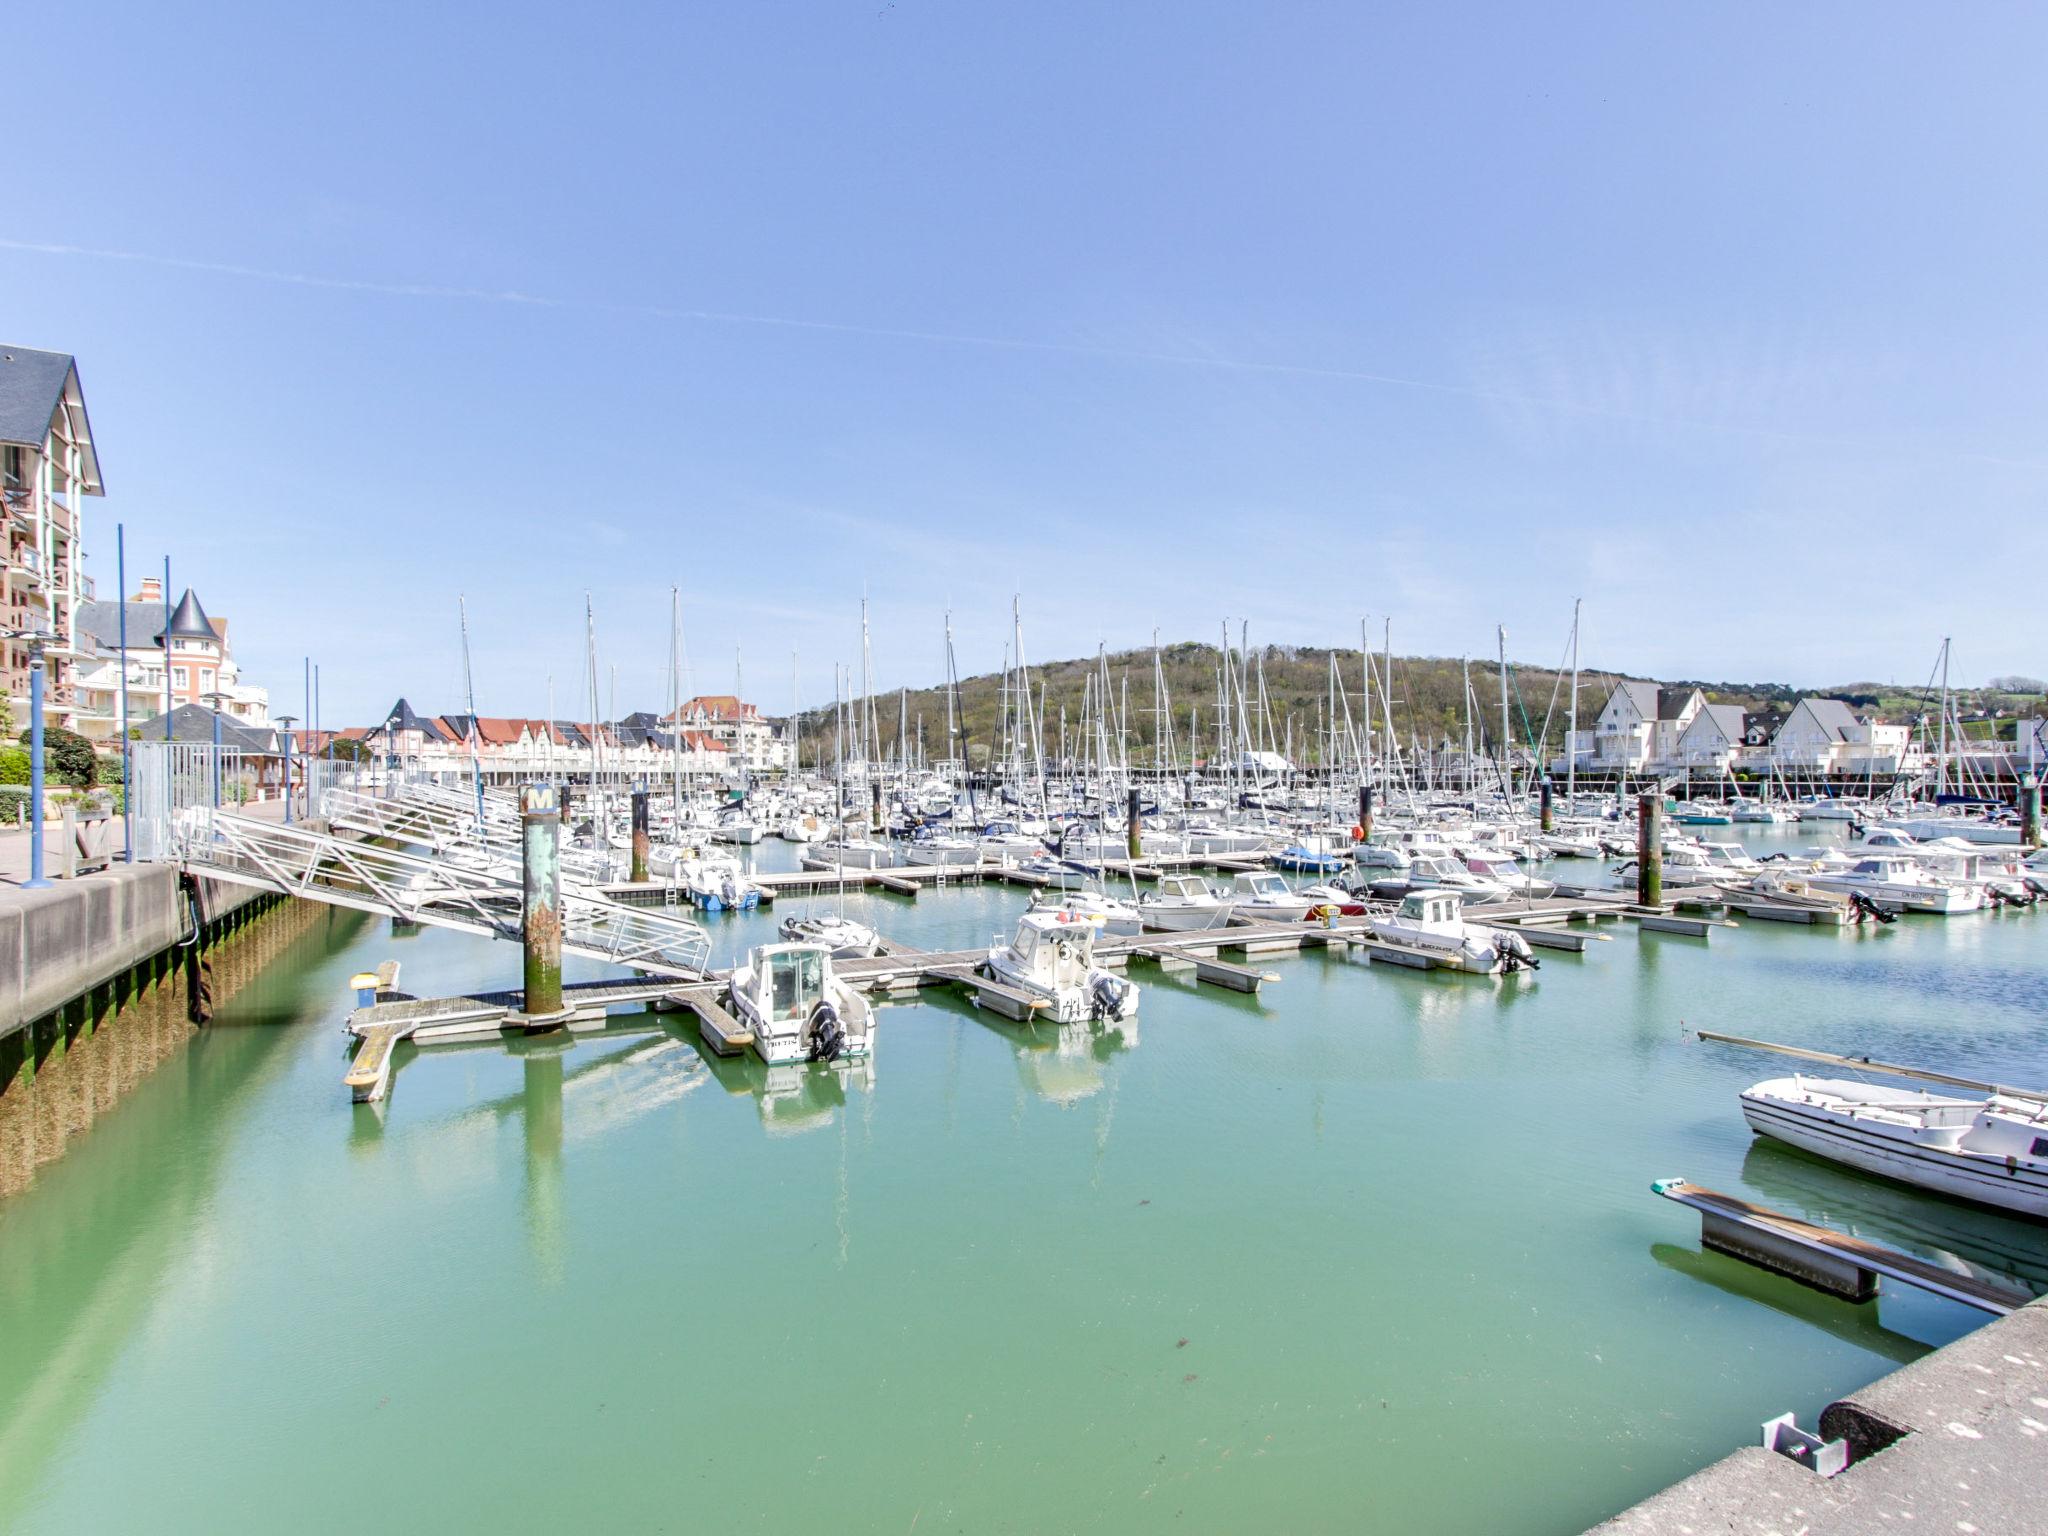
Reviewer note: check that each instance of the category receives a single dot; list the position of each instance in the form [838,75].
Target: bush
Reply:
[13,805]
[14,765]
[68,757]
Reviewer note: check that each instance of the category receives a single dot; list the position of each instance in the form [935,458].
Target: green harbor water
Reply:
[1374,1251]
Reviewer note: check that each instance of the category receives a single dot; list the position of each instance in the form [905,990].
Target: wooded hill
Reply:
[1428,701]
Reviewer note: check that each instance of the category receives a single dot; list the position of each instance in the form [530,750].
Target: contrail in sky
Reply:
[948,338]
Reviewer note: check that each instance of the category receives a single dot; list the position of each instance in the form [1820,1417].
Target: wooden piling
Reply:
[638,873]
[1650,848]
[1365,813]
[1133,840]
[1548,821]
[2030,810]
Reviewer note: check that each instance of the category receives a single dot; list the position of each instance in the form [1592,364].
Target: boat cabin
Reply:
[1186,888]
[1431,907]
[1262,886]
[787,981]
[1053,947]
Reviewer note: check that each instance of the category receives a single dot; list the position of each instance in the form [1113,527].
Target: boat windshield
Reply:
[796,980]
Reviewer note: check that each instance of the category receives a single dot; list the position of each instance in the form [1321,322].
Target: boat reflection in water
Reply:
[796,1096]
[1968,1239]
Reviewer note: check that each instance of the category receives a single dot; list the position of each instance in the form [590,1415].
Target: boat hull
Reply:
[1838,1140]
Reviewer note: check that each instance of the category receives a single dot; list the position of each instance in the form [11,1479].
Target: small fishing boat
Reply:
[1052,956]
[1510,876]
[1993,1150]
[797,1008]
[1333,894]
[1184,903]
[716,883]
[1267,898]
[1893,881]
[1090,904]
[844,937]
[1434,921]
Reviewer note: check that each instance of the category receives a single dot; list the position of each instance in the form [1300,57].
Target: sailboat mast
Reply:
[476,767]
[1571,739]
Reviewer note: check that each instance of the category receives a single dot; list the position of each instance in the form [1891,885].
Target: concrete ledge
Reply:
[1956,1441]
[60,943]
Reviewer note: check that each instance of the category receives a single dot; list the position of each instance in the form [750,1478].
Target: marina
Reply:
[1056,770]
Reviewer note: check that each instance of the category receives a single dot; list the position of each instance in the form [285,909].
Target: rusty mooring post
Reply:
[1547,821]
[1133,840]
[2030,810]
[540,830]
[1365,813]
[639,871]
[1650,848]
[875,805]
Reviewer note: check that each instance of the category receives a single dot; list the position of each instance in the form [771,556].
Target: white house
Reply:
[1713,739]
[1826,736]
[1640,724]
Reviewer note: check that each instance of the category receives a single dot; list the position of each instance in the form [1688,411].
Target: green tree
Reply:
[14,765]
[68,757]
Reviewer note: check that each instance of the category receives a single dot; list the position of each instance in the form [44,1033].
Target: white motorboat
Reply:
[1434,921]
[802,828]
[1729,861]
[1089,904]
[1184,903]
[1210,838]
[856,853]
[1893,881]
[1444,872]
[716,883]
[737,828]
[1760,813]
[1052,956]
[1264,897]
[797,1007]
[943,851]
[1510,876]
[1993,1150]
[1569,845]
[847,939]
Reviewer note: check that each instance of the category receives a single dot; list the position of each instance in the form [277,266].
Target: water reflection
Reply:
[1853,1323]
[792,1097]
[1059,1063]
[1961,1237]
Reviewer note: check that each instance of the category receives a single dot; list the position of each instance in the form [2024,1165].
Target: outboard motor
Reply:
[1107,995]
[1867,910]
[1515,953]
[828,1035]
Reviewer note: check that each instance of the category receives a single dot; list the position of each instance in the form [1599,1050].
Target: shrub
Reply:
[68,757]
[14,765]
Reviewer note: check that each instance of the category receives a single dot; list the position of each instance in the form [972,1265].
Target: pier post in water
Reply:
[1365,813]
[1650,848]
[875,805]
[2030,810]
[1132,839]
[639,871]
[1547,821]
[540,831]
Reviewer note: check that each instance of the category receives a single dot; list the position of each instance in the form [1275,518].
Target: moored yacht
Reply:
[1264,897]
[842,935]
[1893,881]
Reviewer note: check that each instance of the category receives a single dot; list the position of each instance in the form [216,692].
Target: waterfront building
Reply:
[1824,735]
[197,664]
[747,736]
[48,465]
[1639,726]
[1713,739]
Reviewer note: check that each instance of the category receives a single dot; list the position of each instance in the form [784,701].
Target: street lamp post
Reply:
[286,722]
[216,699]
[34,639]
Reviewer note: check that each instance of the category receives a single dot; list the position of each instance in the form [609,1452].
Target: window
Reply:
[2039,1148]
[181,677]
[11,465]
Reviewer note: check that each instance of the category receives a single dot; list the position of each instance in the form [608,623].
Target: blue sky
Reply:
[1729,319]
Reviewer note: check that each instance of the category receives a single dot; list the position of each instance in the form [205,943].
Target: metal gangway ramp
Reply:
[342,872]
[445,823]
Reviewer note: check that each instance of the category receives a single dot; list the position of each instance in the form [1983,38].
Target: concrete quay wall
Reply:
[1956,1441]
